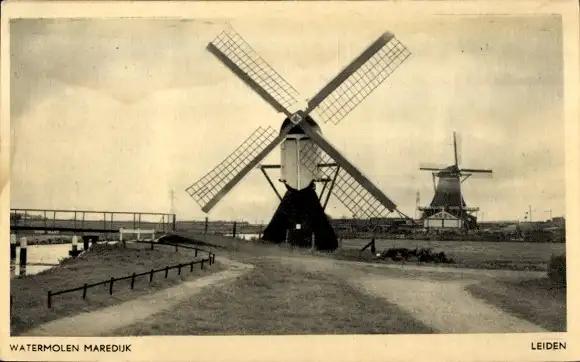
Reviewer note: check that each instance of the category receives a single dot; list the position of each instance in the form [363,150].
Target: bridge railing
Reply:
[89,221]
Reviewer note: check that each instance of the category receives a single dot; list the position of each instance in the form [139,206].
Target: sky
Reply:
[114,114]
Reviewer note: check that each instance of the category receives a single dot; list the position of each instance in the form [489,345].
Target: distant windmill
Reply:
[307,157]
[448,207]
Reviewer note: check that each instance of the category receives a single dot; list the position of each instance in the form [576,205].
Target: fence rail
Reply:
[210,259]
[185,247]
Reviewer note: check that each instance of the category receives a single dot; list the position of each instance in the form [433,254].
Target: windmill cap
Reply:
[386,36]
[297,129]
[448,169]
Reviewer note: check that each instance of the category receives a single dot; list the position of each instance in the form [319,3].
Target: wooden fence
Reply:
[210,259]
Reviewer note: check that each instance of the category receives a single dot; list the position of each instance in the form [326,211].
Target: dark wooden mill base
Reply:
[300,217]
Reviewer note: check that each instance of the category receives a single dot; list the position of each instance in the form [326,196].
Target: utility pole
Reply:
[172,207]
[417,201]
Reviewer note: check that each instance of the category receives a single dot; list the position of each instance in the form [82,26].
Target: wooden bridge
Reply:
[88,221]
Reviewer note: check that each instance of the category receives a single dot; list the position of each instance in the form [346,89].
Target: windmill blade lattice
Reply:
[255,71]
[206,188]
[356,86]
[347,190]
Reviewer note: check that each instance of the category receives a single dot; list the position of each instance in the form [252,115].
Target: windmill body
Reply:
[300,216]
[295,148]
[448,209]
[307,157]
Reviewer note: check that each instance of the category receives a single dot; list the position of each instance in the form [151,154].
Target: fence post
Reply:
[23,252]
[175,247]
[202,262]
[209,258]
[234,230]
[166,271]
[151,276]
[196,252]
[133,281]
[151,245]
[205,227]
[111,286]
[85,291]
[191,267]
[12,246]
[179,269]
[49,299]
[74,247]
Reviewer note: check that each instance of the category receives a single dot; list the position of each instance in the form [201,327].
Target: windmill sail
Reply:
[221,179]
[359,79]
[350,192]
[355,176]
[230,48]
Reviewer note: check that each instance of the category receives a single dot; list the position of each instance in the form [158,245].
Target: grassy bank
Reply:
[100,263]
[538,300]
[276,299]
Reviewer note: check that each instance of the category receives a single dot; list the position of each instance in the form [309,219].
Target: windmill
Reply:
[307,157]
[448,208]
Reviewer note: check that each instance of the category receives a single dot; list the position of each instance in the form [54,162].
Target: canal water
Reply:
[245,236]
[40,258]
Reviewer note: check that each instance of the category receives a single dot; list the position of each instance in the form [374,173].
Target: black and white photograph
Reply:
[292,170]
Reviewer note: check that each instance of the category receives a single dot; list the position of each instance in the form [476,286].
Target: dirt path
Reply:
[445,306]
[439,302]
[133,311]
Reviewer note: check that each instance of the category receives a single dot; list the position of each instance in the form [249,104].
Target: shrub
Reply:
[421,254]
[557,269]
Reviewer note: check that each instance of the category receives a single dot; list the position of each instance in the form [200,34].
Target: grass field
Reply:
[274,299]
[536,300]
[472,254]
[466,254]
[100,263]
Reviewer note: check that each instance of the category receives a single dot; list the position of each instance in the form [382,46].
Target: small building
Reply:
[442,220]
